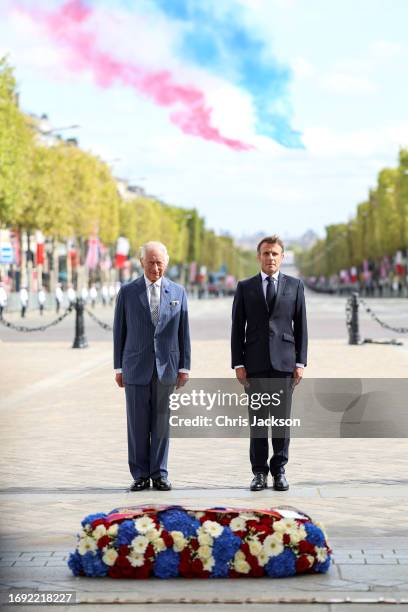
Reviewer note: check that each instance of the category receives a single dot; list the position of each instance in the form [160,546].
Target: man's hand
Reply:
[297,376]
[182,378]
[241,374]
[119,379]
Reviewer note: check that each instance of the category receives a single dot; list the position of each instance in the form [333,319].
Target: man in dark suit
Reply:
[151,355]
[269,351]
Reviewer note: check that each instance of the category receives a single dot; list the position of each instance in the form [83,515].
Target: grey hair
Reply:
[153,244]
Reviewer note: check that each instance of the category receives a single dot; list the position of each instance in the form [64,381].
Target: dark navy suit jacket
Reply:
[138,345]
[260,341]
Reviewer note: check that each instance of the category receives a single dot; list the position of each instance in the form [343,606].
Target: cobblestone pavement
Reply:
[63,454]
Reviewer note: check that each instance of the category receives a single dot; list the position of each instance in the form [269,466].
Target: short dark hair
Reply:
[274,239]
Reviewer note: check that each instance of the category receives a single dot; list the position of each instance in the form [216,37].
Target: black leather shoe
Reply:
[161,484]
[140,484]
[259,482]
[280,483]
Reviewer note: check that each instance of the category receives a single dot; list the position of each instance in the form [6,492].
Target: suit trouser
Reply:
[270,382]
[147,408]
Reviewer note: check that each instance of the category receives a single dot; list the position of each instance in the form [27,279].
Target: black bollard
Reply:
[80,340]
[353,327]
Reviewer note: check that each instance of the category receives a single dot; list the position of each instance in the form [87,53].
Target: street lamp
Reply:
[59,129]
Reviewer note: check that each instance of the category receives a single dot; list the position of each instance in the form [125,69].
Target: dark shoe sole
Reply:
[131,490]
[258,489]
[280,488]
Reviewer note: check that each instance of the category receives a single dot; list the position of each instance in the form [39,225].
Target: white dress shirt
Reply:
[158,284]
[275,280]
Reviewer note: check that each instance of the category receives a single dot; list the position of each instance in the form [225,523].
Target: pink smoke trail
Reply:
[192,114]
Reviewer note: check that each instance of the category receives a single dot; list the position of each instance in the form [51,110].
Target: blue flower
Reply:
[323,567]
[282,565]
[93,564]
[177,519]
[224,549]
[75,563]
[126,532]
[166,564]
[92,517]
[314,534]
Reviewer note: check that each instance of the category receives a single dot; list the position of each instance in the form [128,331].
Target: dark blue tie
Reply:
[270,293]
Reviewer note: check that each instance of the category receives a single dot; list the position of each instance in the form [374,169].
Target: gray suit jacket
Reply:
[138,345]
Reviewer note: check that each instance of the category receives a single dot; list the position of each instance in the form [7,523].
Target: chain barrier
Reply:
[25,328]
[104,326]
[398,330]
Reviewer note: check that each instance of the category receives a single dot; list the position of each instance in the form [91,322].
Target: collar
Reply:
[149,282]
[275,276]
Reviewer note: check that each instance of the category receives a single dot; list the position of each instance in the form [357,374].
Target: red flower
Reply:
[196,566]
[114,572]
[123,550]
[286,539]
[194,544]
[122,562]
[141,573]
[306,548]
[245,548]
[127,572]
[241,534]
[168,539]
[252,524]
[149,552]
[103,541]
[99,521]
[302,564]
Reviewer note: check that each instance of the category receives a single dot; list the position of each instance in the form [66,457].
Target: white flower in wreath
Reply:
[139,544]
[99,531]
[213,528]
[248,517]
[153,534]
[204,552]
[208,564]
[136,559]
[272,545]
[113,530]
[298,534]
[238,524]
[109,557]
[179,541]
[321,554]
[239,555]
[255,547]
[86,544]
[204,539]
[199,515]
[241,566]
[144,524]
[284,525]
[159,545]
[262,558]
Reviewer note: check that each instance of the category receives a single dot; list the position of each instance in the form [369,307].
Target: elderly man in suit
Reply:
[151,356]
[269,351]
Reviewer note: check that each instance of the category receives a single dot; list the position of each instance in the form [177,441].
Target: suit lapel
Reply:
[142,293]
[260,293]
[164,300]
[281,286]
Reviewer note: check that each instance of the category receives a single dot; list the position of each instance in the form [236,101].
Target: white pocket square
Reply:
[174,302]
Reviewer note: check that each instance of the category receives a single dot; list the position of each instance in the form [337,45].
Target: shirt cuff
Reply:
[183,371]
[118,371]
[300,365]
[239,366]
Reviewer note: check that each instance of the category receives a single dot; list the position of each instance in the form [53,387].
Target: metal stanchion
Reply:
[80,340]
[352,319]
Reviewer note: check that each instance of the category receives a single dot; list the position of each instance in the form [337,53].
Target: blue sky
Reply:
[317,88]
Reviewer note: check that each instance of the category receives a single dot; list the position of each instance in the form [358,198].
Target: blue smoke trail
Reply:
[223,45]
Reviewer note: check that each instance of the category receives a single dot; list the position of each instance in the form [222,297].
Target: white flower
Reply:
[136,559]
[248,517]
[110,556]
[199,515]
[297,534]
[239,555]
[113,530]
[153,534]
[321,554]
[242,566]
[255,547]
[237,524]
[272,546]
[262,558]
[284,525]
[208,564]
[204,552]
[159,545]
[86,544]
[99,531]
[144,524]
[139,544]
[179,541]
[311,560]
[213,528]
[204,539]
